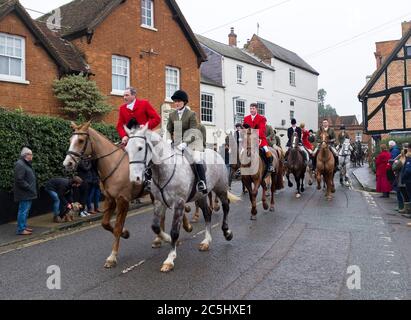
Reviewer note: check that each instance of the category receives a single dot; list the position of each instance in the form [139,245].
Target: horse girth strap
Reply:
[162,189]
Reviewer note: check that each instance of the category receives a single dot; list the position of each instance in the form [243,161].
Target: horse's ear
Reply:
[87,125]
[74,126]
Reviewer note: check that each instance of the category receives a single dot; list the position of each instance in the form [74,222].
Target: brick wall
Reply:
[41,70]
[256,47]
[121,34]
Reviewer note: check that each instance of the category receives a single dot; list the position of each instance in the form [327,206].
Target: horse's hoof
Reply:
[298,196]
[188,228]
[157,244]
[310,183]
[125,234]
[167,267]
[187,209]
[217,208]
[110,264]
[272,209]
[265,206]
[318,188]
[290,185]
[204,247]
[253,218]
[228,235]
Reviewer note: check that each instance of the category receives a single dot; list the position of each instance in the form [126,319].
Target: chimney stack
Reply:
[232,38]
[406,26]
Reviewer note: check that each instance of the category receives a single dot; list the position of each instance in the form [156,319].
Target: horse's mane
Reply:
[102,136]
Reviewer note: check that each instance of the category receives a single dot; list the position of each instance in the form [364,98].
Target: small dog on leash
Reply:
[73,212]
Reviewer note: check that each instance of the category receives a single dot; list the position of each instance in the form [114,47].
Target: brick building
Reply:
[352,127]
[386,98]
[142,43]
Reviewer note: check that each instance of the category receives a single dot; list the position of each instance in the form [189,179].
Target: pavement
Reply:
[43,225]
[366,178]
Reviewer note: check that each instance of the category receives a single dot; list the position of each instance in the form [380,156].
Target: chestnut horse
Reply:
[325,166]
[253,179]
[113,169]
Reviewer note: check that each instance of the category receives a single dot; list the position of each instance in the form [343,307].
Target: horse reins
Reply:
[81,156]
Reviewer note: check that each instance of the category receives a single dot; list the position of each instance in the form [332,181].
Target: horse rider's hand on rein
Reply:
[124,141]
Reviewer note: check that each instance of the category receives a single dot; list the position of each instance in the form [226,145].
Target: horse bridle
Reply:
[81,156]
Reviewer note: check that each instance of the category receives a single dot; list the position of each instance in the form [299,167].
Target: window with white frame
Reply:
[292,77]
[120,74]
[239,111]
[147,13]
[292,103]
[240,74]
[407,98]
[261,108]
[259,79]
[358,136]
[207,108]
[172,81]
[12,58]
[292,114]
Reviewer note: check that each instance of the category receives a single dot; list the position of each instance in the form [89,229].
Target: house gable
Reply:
[383,97]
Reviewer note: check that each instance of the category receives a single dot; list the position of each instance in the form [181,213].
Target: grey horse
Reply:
[173,183]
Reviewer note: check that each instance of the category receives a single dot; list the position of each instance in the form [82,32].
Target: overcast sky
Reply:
[337,38]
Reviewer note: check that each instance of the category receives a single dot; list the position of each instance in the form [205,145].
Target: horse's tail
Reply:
[232,197]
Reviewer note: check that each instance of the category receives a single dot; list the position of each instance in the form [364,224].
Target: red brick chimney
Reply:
[232,38]
[406,26]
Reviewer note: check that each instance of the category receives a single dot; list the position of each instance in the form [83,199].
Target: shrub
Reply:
[48,138]
[81,98]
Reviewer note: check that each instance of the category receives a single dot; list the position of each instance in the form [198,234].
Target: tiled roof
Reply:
[206,80]
[231,52]
[287,56]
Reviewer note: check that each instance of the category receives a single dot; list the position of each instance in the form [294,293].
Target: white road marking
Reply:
[133,267]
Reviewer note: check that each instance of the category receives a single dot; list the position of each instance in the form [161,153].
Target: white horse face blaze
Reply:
[136,149]
[69,163]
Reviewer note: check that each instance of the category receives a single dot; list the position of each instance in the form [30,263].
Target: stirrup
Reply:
[201,187]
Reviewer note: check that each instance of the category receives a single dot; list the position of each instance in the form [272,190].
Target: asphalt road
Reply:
[302,251]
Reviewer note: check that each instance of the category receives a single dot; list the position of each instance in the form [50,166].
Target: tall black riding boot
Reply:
[200,173]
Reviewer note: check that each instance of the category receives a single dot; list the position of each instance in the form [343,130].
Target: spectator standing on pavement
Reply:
[94,196]
[25,189]
[398,185]
[406,179]
[383,185]
[84,172]
[394,150]
[61,191]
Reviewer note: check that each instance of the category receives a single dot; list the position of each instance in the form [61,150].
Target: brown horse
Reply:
[325,166]
[253,179]
[113,169]
[296,165]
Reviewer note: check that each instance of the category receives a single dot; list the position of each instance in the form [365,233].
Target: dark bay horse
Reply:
[296,165]
[113,169]
[253,172]
[325,166]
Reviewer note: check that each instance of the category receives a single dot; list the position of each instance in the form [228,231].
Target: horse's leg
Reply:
[318,179]
[228,234]
[205,244]
[216,204]
[272,204]
[290,184]
[186,223]
[297,179]
[110,207]
[158,225]
[168,264]
[122,209]
[302,177]
[253,197]
[196,215]
[264,197]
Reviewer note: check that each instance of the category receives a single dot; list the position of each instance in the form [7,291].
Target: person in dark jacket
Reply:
[94,190]
[83,192]
[394,150]
[61,191]
[25,189]
[406,179]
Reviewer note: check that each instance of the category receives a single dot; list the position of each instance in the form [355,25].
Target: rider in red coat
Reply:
[256,121]
[140,110]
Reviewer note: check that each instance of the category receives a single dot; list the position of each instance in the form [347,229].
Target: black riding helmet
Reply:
[180,95]
[293,121]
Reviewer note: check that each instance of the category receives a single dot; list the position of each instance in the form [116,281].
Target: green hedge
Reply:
[48,138]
